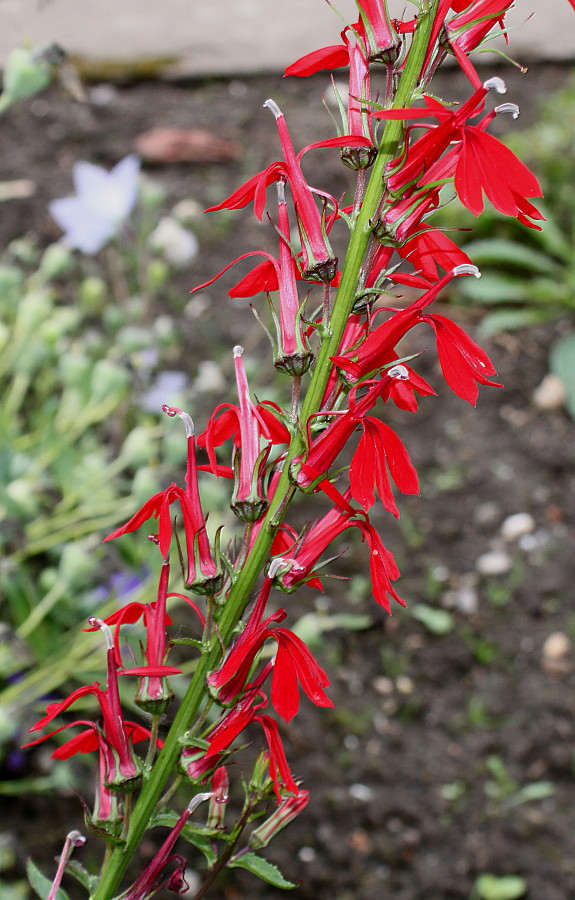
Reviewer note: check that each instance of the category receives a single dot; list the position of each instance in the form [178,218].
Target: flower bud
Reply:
[288,810]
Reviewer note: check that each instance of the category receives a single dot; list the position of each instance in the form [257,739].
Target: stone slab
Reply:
[233,37]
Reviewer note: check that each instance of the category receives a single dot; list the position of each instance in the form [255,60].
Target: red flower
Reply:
[154,693]
[462,361]
[318,259]
[293,663]
[246,424]
[479,161]
[152,879]
[303,555]
[378,444]
[352,53]
[195,763]
[202,574]
[122,771]
[292,353]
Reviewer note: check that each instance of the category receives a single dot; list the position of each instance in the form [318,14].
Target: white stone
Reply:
[551,393]
[557,646]
[517,525]
[360,792]
[494,562]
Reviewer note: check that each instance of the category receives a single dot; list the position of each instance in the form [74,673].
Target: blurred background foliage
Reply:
[87,349]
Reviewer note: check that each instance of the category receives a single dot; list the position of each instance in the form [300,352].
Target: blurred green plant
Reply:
[499,887]
[528,275]
[79,448]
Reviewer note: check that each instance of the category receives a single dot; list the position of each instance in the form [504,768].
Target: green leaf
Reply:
[198,835]
[494,887]
[510,253]
[263,869]
[437,621]
[562,364]
[77,871]
[41,884]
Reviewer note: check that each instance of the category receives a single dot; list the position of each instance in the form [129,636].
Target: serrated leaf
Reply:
[41,884]
[437,621]
[265,870]
[562,364]
[510,253]
[495,887]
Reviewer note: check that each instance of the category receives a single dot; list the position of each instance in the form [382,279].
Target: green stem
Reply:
[244,584]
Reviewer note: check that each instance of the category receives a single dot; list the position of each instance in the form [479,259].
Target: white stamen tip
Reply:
[199,798]
[75,838]
[496,83]
[508,108]
[271,104]
[466,269]
[188,424]
[277,565]
[186,419]
[106,630]
[238,351]
[400,373]
[281,190]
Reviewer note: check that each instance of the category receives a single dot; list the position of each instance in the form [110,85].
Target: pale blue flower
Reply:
[103,201]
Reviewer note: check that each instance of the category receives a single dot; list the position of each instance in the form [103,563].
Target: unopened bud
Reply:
[286,812]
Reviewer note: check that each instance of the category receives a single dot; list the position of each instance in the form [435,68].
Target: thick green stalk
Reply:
[242,588]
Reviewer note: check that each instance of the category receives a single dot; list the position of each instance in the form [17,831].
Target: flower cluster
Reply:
[346,338]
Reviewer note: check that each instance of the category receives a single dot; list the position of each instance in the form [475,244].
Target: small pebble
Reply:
[494,562]
[550,394]
[404,684]
[465,599]
[517,525]
[557,646]
[486,514]
[360,792]
[383,685]
[306,854]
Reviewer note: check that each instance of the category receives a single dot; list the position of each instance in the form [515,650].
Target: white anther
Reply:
[75,839]
[277,565]
[188,424]
[508,108]
[238,351]
[400,373]
[281,190]
[466,269]
[271,104]
[99,623]
[199,798]
[496,83]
